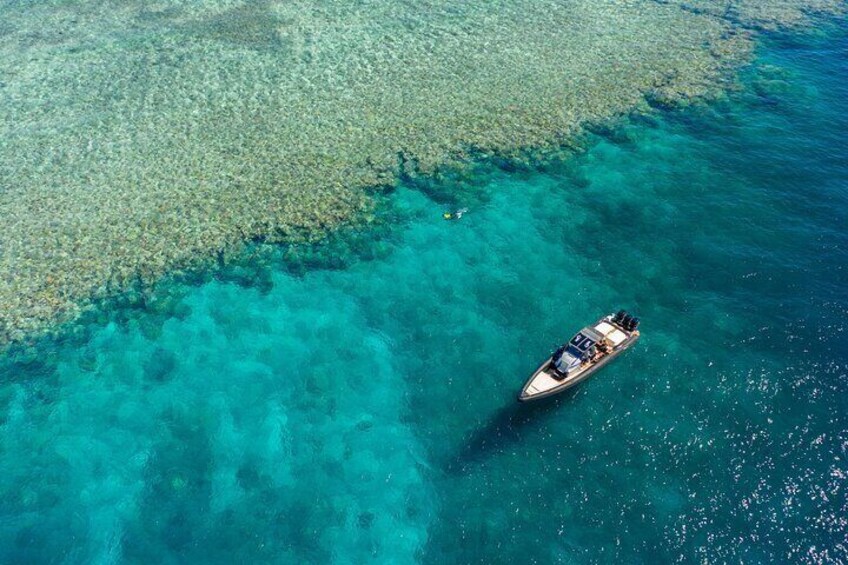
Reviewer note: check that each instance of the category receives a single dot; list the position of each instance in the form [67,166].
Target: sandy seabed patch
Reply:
[142,137]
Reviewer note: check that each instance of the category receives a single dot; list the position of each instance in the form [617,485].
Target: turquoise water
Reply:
[356,401]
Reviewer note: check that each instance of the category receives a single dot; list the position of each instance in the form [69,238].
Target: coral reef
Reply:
[140,138]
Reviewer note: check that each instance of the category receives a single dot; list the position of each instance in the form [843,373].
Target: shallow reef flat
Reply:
[138,138]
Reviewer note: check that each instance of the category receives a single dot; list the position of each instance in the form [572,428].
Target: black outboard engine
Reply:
[619,316]
[634,323]
[625,321]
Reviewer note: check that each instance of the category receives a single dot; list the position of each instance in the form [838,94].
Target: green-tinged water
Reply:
[355,401]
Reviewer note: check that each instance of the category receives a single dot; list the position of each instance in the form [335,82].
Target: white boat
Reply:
[590,349]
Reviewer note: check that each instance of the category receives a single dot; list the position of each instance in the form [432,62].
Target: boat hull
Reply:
[539,385]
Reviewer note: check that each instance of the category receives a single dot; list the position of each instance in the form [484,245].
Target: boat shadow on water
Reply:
[509,426]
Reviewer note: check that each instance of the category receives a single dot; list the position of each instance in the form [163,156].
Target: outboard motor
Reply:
[634,323]
[619,316]
[625,322]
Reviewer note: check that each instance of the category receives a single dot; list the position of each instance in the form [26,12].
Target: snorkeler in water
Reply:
[454,215]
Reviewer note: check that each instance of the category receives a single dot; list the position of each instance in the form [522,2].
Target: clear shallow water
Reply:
[356,401]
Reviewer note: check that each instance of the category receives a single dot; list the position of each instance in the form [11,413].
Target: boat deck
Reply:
[542,383]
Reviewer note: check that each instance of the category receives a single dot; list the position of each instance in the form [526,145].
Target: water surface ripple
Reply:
[354,401]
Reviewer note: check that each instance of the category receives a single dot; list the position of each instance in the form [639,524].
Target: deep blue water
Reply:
[356,401]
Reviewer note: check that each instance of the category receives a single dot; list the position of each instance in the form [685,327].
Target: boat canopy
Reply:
[582,345]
